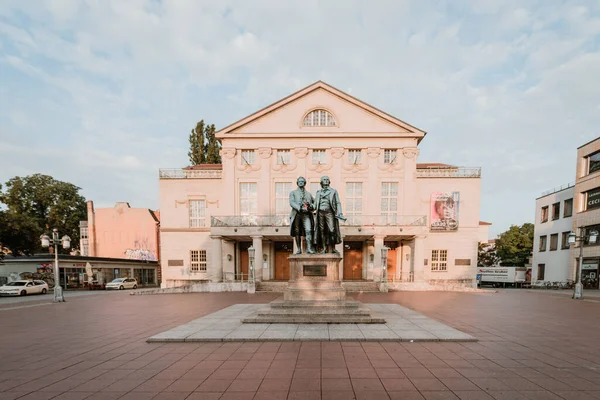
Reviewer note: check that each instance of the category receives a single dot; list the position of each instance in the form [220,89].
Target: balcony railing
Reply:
[460,172]
[178,173]
[558,188]
[352,220]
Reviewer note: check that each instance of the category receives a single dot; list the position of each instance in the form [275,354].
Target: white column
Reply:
[418,259]
[377,257]
[258,252]
[216,265]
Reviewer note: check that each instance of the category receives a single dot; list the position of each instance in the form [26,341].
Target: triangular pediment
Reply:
[352,116]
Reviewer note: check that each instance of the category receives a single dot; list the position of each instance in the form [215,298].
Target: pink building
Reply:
[426,214]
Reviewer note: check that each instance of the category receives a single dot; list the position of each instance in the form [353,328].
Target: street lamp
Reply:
[66,243]
[251,281]
[591,236]
[384,271]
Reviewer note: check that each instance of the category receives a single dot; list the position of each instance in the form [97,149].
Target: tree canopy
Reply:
[35,205]
[515,245]
[486,255]
[204,145]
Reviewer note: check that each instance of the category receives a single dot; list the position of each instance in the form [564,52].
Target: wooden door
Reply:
[391,260]
[282,265]
[353,259]
[244,261]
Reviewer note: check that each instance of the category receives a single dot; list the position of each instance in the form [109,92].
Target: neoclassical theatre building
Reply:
[426,214]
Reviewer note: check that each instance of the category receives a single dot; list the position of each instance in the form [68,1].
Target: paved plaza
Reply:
[531,345]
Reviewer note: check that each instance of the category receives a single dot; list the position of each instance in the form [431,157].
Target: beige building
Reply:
[426,214]
[587,211]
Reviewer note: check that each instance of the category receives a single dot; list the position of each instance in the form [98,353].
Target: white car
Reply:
[122,283]
[22,288]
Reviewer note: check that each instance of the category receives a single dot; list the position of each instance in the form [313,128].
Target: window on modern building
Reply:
[593,162]
[568,208]
[555,211]
[586,235]
[543,240]
[248,198]
[439,260]
[592,199]
[389,201]
[283,156]
[389,156]
[282,197]
[197,213]
[541,272]
[248,157]
[565,241]
[84,232]
[318,157]
[319,118]
[354,156]
[353,199]
[544,214]
[553,241]
[197,260]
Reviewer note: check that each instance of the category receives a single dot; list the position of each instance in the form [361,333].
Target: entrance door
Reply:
[353,260]
[391,260]
[282,265]
[242,274]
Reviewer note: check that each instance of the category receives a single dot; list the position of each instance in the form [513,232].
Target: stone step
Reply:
[348,304]
[314,319]
[276,312]
[360,286]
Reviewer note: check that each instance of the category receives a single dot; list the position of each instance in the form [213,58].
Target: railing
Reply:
[178,173]
[352,220]
[452,172]
[558,188]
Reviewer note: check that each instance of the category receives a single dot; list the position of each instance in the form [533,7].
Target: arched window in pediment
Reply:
[319,117]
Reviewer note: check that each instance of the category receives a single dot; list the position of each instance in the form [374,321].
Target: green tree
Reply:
[212,146]
[515,245]
[486,255]
[197,153]
[36,204]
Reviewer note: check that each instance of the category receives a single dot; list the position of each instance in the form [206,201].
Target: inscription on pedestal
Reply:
[314,270]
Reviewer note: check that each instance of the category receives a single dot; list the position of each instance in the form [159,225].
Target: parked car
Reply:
[22,288]
[122,283]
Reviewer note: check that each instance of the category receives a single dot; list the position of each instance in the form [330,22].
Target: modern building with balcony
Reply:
[426,214]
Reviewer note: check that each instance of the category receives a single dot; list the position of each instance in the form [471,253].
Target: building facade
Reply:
[426,214]
[587,212]
[553,223]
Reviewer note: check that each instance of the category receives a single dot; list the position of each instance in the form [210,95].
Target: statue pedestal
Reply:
[314,277]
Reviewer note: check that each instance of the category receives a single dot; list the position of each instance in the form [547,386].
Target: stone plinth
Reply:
[314,277]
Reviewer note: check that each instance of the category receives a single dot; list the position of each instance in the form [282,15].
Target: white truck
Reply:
[501,276]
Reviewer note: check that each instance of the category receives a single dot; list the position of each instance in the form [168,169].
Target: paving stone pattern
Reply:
[226,325]
[531,346]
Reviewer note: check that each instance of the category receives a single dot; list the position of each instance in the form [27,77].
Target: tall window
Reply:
[84,232]
[439,260]
[283,156]
[248,198]
[565,240]
[282,197]
[543,240]
[353,198]
[319,118]
[247,156]
[593,162]
[318,157]
[389,200]
[568,208]
[541,272]
[555,211]
[389,156]
[197,260]
[197,213]
[354,156]
[553,241]
[544,214]
[587,230]
[592,199]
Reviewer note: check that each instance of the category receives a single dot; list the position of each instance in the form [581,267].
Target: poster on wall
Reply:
[444,211]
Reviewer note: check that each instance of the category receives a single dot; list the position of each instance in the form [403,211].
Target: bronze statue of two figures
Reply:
[322,232]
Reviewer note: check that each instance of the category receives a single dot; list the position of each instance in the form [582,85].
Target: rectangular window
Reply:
[389,201]
[197,260]
[593,162]
[248,198]
[565,240]
[354,156]
[282,197]
[553,241]
[248,157]
[318,157]
[586,235]
[353,198]
[283,157]
[592,199]
[543,240]
[84,232]
[439,260]
[568,208]
[544,214]
[555,211]
[197,213]
[389,156]
[541,272]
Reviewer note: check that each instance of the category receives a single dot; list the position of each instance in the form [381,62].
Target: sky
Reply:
[103,93]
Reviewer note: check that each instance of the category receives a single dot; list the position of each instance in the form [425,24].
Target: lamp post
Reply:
[251,280]
[66,243]
[384,272]
[591,236]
